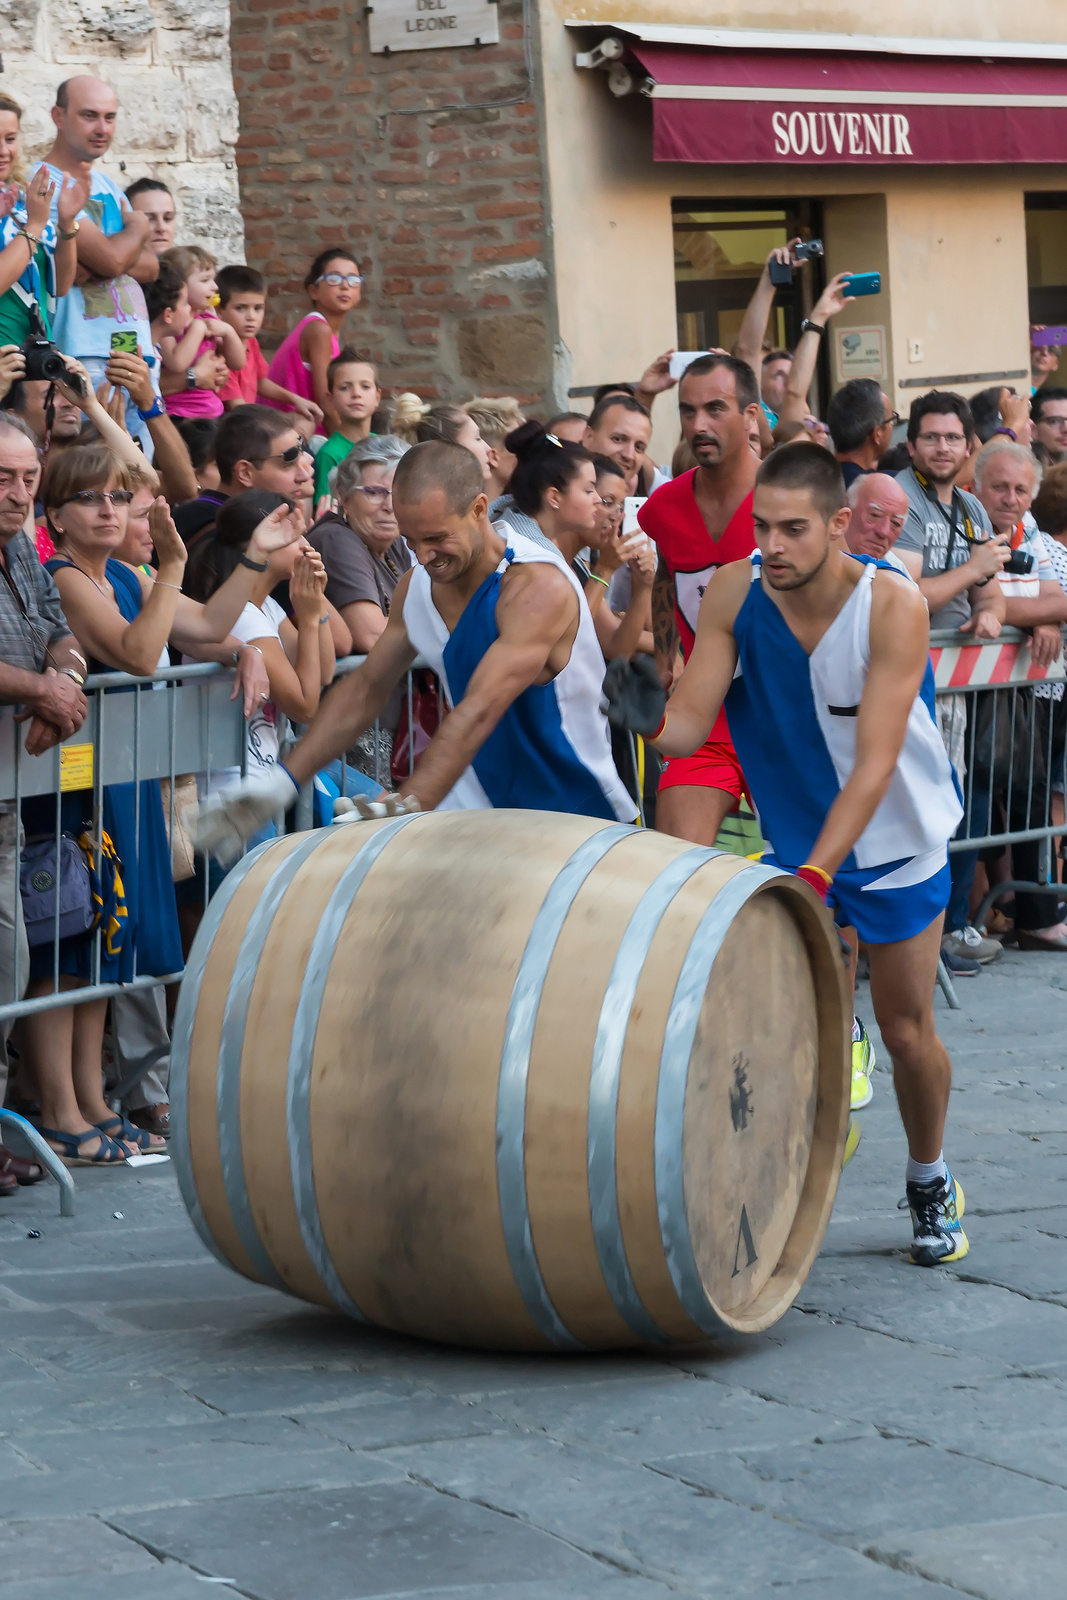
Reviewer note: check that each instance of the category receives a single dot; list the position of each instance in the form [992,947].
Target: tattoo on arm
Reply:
[664,626]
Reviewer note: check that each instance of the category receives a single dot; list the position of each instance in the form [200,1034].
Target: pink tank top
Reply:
[195,402]
[288,368]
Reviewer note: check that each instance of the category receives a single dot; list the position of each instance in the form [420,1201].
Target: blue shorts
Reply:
[891,902]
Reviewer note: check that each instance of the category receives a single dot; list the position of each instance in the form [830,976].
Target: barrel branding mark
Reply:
[741,1107]
[744,1235]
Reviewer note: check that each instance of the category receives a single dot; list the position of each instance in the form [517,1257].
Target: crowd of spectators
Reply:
[168,495]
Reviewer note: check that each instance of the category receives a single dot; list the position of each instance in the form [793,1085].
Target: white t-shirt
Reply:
[254,623]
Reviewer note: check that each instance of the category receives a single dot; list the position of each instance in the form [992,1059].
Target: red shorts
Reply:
[713,766]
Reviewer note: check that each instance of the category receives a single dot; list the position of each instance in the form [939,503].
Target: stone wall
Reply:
[169,61]
[444,207]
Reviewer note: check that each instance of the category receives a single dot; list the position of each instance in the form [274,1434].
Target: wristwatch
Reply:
[190,379]
[807,326]
[156,409]
[254,566]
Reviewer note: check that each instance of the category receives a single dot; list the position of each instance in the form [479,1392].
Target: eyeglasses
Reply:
[376,494]
[351,280]
[611,505]
[1053,422]
[99,497]
[293,454]
[892,420]
[942,438]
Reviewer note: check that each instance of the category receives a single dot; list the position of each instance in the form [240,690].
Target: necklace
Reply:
[108,592]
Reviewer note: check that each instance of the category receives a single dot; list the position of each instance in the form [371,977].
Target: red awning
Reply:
[775,106]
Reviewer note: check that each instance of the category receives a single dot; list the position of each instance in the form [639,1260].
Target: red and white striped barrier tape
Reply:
[957,666]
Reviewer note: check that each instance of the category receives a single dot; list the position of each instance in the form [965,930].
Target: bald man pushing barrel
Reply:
[505,626]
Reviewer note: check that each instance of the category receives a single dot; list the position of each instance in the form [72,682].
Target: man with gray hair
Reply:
[879,509]
[1006,478]
[41,672]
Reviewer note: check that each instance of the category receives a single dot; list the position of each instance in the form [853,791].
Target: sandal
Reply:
[110,1153]
[17,1167]
[122,1129]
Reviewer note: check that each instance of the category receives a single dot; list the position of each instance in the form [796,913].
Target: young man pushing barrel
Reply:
[821,659]
[506,628]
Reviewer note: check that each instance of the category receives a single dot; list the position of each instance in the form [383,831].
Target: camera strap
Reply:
[957,511]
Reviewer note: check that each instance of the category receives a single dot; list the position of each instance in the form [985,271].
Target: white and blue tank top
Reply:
[551,750]
[793,721]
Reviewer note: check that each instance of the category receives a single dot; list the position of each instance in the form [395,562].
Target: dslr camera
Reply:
[44,360]
[1020,563]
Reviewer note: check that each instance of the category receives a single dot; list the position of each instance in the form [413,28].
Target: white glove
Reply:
[226,820]
[360,809]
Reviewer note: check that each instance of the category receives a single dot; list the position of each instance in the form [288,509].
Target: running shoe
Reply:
[863,1059]
[960,966]
[969,943]
[852,1143]
[936,1209]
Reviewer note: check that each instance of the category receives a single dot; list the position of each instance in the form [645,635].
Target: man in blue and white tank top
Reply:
[505,625]
[822,661]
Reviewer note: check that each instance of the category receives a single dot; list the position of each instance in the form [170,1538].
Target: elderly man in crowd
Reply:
[41,671]
[879,511]
[1006,478]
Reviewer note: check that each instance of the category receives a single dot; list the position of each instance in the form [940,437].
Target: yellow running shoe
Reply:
[936,1210]
[863,1059]
[852,1143]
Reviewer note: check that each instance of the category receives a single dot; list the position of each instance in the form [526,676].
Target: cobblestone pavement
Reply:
[901,1434]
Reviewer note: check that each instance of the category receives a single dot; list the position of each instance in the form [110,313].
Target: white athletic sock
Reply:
[927,1171]
[856,1034]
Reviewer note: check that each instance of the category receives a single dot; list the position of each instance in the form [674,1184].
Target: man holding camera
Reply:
[949,547]
[114,250]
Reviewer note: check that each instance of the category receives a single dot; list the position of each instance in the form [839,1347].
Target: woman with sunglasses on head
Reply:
[123,618]
[333,284]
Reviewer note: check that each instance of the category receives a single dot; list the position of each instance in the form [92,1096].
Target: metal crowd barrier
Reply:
[180,720]
[1004,726]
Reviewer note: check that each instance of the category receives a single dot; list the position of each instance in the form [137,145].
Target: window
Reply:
[719,250]
[1046,257]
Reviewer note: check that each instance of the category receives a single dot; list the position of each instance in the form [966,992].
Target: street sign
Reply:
[860,353]
[431,24]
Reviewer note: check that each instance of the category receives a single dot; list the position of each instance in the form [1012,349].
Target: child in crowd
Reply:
[183,345]
[333,286]
[355,397]
[166,300]
[242,304]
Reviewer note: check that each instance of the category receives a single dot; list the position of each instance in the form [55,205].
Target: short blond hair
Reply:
[495,417]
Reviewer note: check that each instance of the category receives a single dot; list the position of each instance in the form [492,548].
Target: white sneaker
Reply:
[968,942]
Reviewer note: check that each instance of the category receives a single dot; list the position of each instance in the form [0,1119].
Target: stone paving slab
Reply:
[901,1435]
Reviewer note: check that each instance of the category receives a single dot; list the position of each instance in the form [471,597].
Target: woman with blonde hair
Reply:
[416,422]
[38,260]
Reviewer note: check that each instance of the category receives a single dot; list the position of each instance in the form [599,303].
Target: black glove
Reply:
[635,697]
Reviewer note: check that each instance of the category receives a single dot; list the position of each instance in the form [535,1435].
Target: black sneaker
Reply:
[936,1209]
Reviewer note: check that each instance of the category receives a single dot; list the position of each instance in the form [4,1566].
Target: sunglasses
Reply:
[99,497]
[335,279]
[290,456]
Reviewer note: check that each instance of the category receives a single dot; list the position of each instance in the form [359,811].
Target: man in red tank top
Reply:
[699,522]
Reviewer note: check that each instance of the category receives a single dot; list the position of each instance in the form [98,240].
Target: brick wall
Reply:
[444,208]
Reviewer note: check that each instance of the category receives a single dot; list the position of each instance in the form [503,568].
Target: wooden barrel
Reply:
[513,1079]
